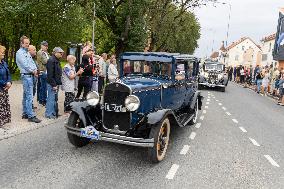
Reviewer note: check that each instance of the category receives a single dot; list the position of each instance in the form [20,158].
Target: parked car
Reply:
[213,74]
[142,106]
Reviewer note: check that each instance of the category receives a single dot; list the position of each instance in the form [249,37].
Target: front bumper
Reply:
[211,84]
[109,137]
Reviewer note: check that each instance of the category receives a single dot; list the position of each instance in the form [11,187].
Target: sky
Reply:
[249,18]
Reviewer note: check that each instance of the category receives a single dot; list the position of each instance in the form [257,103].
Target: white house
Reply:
[267,45]
[243,52]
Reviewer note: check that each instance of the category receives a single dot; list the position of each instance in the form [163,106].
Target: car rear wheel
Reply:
[75,122]
[161,135]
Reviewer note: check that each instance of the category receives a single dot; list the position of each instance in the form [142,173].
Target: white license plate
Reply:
[90,132]
[113,107]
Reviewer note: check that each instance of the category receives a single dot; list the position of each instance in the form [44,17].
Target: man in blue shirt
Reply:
[28,70]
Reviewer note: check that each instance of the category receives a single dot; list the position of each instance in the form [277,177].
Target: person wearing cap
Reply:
[42,57]
[54,73]
[28,70]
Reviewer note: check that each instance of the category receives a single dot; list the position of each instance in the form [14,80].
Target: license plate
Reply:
[113,107]
[90,132]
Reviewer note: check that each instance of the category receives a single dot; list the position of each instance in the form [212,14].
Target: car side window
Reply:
[180,72]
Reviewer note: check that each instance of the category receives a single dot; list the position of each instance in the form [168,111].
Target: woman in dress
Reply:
[5,84]
[112,70]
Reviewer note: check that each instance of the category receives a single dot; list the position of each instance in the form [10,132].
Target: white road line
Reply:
[254,142]
[192,135]
[228,113]
[204,112]
[197,125]
[172,171]
[201,117]
[206,107]
[224,108]
[220,104]
[217,100]
[271,160]
[184,150]
[207,102]
[243,129]
[234,120]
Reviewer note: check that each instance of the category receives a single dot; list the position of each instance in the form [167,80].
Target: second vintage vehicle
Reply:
[155,92]
[213,74]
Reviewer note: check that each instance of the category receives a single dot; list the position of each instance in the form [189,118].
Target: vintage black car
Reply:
[155,92]
[213,74]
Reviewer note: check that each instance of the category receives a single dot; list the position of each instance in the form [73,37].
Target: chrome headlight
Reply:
[132,103]
[206,74]
[220,76]
[93,98]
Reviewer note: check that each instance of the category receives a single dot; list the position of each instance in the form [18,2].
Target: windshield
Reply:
[218,67]
[144,68]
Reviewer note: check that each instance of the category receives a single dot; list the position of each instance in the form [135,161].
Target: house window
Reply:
[264,57]
[237,57]
[243,48]
[269,47]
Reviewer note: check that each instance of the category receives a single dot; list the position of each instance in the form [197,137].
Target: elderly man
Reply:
[42,57]
[32,51]
[28,70]
[54,73]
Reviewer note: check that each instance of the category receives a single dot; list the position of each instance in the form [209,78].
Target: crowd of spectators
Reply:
[265,80]
[42,77]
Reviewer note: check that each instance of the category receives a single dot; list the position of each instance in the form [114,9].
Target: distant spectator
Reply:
[112,70]
[28,70]
[54,73]
[42,57]
[32,51]
[87,46]
[68,81]
[86,79]
[258,78]
[242,74]
[102,72]
[281,88]
[274,81]
[265,82]
[5,84]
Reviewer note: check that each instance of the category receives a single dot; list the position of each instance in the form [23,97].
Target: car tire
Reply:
[223,89]
[161,135]
[194,119]
[75,122]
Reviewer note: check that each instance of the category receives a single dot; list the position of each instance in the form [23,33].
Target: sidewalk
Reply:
[19,125]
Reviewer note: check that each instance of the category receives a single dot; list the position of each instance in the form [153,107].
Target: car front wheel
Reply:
[75,122]
[161,135]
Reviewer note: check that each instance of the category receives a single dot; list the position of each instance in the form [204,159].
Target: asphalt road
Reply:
[237,143]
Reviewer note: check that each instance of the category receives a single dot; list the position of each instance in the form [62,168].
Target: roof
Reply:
[156,56]
[214,55]
[240,41]
[269,37]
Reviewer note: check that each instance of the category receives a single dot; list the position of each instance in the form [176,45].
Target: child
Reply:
[68,81]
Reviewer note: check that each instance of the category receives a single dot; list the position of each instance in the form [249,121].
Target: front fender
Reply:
[79,107]
[154,118]
[196,97]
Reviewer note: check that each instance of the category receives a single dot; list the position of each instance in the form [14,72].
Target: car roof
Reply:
[156,56]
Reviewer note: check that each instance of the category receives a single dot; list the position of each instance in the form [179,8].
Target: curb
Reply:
[26,129]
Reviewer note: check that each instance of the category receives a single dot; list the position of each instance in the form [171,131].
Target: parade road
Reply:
[236,143]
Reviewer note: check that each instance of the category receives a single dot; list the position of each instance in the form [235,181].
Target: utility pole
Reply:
[94,24]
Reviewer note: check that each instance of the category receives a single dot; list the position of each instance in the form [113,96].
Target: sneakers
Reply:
[25,116]
[34,119]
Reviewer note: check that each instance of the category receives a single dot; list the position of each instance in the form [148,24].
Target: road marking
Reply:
[243,129]
[228,113]
[207,102]
[172,171]
[271,160]
[254,142]
[206,107]
[220,104]
[201,117]
[184,150]
[197,125]
[217,100]
[224,108]
[204,112]
[234,120]
[192,135]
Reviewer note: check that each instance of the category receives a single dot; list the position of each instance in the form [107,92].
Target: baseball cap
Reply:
[44,43]
[58,50]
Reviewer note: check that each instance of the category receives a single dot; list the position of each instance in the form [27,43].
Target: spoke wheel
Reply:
[161,134]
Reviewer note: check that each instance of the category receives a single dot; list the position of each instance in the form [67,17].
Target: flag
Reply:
[278,51]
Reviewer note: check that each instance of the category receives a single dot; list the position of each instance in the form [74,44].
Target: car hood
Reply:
[141,83]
